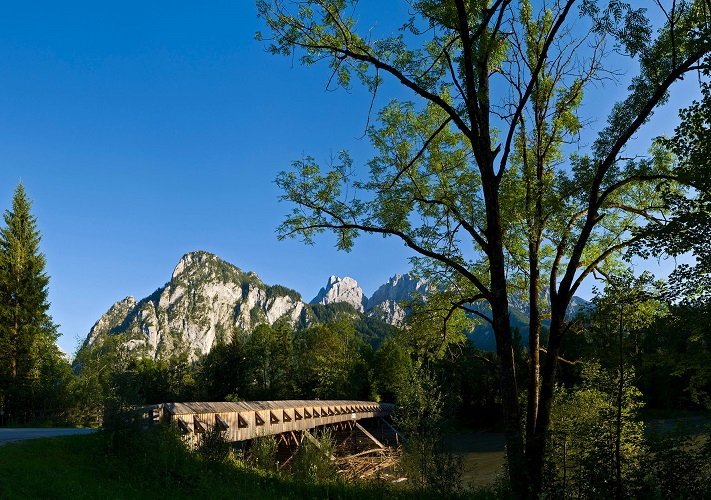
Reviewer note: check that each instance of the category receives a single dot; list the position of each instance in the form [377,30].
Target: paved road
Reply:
[7,435]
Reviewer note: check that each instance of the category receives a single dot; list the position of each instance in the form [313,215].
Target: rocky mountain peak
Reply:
[341,290]
[399,287]
[185,261]
[206,300]
[200,261]
[112,319]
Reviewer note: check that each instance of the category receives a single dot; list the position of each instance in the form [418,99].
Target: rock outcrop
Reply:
[385,304]
[341,290]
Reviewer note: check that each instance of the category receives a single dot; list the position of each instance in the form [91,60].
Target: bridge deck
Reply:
[246,420]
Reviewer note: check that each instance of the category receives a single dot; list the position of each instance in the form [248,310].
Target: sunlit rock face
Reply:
[385,304]
[341,290]
[112,320]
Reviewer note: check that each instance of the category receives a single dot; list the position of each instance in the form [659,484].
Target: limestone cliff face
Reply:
[205,300]
[341,290]
[385,304]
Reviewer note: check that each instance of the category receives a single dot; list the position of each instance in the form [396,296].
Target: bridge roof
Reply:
[242,406]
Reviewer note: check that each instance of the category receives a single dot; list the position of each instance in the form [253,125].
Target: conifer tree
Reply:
[27,332]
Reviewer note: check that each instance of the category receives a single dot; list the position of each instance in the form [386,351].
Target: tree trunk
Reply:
[14,349]
[499,302]
[618,423]
[515,449]
[537,448]
[534,450]
[534,206]
[534,339]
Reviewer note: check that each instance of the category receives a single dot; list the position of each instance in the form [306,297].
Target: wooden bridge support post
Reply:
[311,438]
[398,434]
[372,438]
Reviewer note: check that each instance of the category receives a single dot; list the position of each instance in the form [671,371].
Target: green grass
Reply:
[154,466]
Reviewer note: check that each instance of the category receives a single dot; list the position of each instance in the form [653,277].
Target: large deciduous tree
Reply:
[27,332]
[473,173]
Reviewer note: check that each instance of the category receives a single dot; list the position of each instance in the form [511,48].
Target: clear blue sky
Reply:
[145,130]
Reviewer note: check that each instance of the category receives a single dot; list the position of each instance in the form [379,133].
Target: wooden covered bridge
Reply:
[290,420]
[364,439]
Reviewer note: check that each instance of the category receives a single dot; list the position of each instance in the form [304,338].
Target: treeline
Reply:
[326,361]
[663,352]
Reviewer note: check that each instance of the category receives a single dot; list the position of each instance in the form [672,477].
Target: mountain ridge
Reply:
[207,299]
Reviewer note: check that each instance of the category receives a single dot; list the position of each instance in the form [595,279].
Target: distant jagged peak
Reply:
[341,290]
[399,287]
[64,355]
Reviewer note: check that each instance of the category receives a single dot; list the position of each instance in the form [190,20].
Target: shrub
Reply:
[582,460]
[213,447]
[262,453]
[428,460]
[313,460]
[678,465]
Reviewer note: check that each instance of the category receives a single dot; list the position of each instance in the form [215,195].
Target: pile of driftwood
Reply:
[368,464]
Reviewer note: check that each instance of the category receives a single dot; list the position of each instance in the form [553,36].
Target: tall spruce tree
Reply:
[27,332]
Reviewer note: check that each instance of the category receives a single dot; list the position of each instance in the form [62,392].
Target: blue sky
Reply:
[145,130]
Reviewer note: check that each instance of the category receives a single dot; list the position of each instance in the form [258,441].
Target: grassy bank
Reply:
[79,467]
